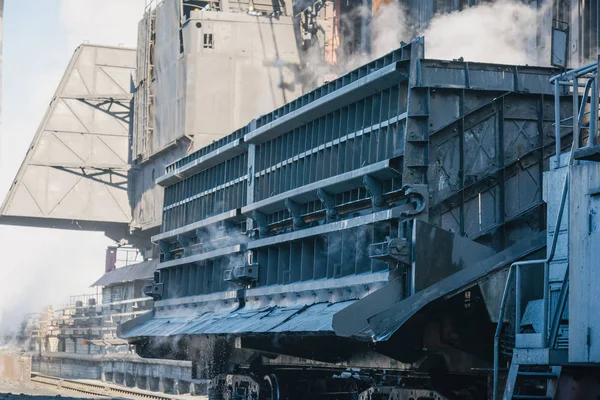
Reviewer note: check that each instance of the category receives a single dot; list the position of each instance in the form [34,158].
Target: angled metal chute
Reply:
[74,175]
[379,315]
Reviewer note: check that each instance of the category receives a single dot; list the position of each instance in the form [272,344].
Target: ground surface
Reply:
[34,391]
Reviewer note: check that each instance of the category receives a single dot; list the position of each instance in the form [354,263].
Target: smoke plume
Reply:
[504,31]
[500,32]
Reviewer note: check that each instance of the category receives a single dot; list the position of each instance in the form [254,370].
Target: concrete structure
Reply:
[122,293]
[167,376]
[15,367]
[87,324]
[79,341]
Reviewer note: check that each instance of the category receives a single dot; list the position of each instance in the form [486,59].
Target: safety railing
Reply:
[583,77]
[548,338]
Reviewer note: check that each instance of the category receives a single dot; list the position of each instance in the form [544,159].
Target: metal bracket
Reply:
[397,249]
[154,290]
[294,209]
[250,175]
[241,274]
[261,221]
[415,195]
[375,188]
[165,249]
[184,241]
[328,201]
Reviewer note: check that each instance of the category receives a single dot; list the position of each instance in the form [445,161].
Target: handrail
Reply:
[580,114]
[560,308]
[515,267]
[511,270]
[577,72]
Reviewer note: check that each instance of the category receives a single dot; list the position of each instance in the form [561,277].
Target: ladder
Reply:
[532,382]
[541,381]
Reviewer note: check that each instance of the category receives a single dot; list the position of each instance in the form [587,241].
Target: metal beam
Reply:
[363,87]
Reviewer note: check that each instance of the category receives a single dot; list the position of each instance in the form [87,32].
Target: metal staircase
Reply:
[526,382]
[537,359]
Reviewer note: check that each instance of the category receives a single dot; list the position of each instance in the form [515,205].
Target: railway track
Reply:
[98,389]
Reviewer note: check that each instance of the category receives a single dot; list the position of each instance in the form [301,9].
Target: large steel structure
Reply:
[368,239]
[355,242]
[74,175]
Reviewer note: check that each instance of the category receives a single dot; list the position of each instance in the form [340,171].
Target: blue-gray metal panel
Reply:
[384,324]
[215,190]
[225,296]
[363,279]
[207,149]
[327,228]
[228,215]
[414,49]
[584,256]
[255,321]
[480,76]
[220,154]
[225,251]
[157,327]
[130,273]
[336,184]
[370,84]
[317,318]
[299,318]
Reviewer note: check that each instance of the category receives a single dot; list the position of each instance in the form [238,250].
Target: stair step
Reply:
[530,396]
[538,374]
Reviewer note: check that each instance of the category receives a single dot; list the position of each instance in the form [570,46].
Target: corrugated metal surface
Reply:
[143,270]
[300,318]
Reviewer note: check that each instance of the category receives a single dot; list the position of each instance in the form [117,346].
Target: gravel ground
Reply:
[34,391]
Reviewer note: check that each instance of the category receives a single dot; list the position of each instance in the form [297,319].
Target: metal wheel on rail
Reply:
[269,390]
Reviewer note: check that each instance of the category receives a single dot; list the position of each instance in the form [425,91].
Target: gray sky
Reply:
[43,266]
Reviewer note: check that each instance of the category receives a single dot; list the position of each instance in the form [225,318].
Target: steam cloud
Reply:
[505,31]
[501,32]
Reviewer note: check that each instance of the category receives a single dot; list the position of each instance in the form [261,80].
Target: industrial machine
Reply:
[361,241]
[412,229]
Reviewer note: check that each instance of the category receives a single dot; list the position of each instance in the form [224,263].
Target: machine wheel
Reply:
[270,388]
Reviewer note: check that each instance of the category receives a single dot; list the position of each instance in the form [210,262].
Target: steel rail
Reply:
[100,389]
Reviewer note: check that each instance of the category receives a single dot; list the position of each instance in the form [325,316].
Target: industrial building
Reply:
[406,228]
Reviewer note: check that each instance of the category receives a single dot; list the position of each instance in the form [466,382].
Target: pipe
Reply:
[593,112]
[585,69]
[557,123]
[576,112]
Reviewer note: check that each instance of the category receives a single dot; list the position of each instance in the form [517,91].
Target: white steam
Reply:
[501,32]
[504,31]
[390,25]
